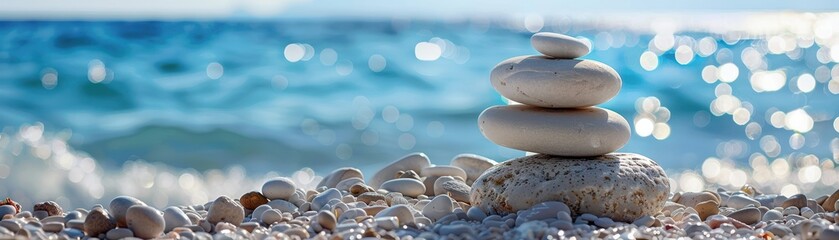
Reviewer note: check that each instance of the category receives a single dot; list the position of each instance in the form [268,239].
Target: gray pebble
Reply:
[772,215]
[741,201]
[475,213]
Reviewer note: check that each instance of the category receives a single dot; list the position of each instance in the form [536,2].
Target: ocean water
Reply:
[265,98]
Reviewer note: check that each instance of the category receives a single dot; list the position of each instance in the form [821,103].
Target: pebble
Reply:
[797,200]
[413,161]
[52,208]
[227,210]
[741,201]
[282,205]
[707,208]
[555,83]
[120,233]
[174,217]
[691,199]
[772,215]
[387,222]
[791,210]
[98,221]
[829,233]
[252,199]
[406,186]
[829,203]
[76,224]
[475,213]
[271,216]
[7,210]
[778,230]
[621,186]
[119,205]
[604,222]
[321,199]
[453,187]
[440,206]
[474,165]
[542,211]
[749,215]
[401,212]
[53,227]
[456,230]
[278,188]
[579,132]
[559,45]
[327,220]
[369,197]
[438,171]
[807,212]
[340,174]
[146,222]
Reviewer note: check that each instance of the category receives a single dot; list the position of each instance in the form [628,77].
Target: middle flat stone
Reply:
[555,83]
[578,132]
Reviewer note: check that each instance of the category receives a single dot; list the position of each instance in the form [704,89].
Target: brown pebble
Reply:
[746,215]
[370,233]
[373,210]
[359,188]
[690,199]
[750,190]
[98,221]
[829,203]
[52,208]
[253,199]
[707,208]
[370,197]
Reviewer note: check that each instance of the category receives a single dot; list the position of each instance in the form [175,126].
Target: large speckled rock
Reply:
[413,161]
[622,186]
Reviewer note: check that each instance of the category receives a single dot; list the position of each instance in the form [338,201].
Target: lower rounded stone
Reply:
[621,186]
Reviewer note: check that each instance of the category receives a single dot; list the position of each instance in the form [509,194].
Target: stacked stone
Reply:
[574,140]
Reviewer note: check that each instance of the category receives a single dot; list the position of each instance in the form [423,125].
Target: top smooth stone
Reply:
[555,83]
[558,45]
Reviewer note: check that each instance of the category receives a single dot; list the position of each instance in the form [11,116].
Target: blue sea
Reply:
[280,96]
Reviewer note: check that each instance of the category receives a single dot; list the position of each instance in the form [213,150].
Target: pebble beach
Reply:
[344,206]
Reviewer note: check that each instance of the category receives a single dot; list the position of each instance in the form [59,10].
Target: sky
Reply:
[302,9]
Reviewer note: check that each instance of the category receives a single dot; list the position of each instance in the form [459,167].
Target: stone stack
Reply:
[574,140]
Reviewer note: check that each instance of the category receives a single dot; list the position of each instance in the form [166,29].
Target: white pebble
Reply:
[278,188]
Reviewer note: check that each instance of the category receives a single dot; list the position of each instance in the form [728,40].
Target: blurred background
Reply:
[179,102]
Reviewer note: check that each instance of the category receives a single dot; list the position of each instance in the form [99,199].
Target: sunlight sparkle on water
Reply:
[799,121]
[768,81]
[426,51]
[684,55]
[728,72]
[649,61]
[294,52]
[691,182]
[644,127]
[806,82]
